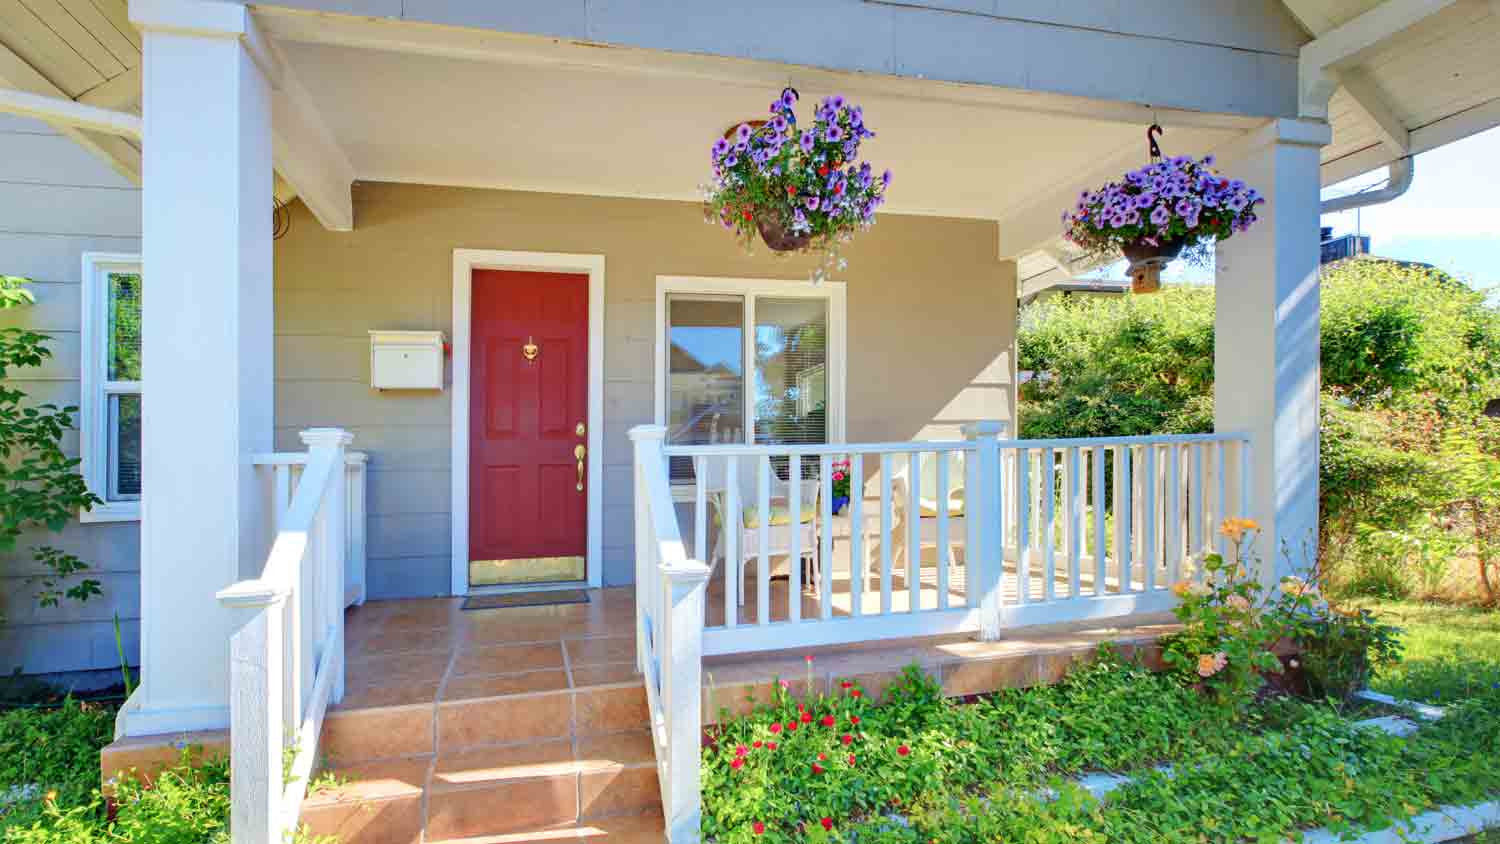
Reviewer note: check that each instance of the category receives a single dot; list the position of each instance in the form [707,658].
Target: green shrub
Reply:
[51,751]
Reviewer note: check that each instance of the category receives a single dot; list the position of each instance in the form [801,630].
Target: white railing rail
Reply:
[669,636]
[287,660]
[978,534]
[287,468]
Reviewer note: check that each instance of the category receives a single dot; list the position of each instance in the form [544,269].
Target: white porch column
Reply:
[207,337]
[1266,340]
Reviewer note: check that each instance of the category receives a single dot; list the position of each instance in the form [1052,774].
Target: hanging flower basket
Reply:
[796,189]
[1155,213]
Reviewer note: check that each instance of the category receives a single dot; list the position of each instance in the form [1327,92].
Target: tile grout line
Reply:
[573,732]
[436,745]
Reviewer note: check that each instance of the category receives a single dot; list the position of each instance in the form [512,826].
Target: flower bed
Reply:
[921,768]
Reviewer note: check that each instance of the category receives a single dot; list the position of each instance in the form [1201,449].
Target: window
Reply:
[790,391]
[110,410]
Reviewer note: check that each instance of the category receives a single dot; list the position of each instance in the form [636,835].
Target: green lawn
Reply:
[1450,651]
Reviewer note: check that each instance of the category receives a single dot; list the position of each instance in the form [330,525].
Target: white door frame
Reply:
[465,262]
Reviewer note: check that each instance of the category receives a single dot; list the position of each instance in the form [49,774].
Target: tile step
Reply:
[544,787]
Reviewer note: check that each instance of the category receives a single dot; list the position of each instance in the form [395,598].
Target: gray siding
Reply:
[931,316]
[57,202]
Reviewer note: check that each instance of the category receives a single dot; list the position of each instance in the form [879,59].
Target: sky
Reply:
[1450,217]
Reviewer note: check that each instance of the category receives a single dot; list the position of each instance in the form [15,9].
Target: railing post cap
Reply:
[978,430]
[325,437]
[648,432]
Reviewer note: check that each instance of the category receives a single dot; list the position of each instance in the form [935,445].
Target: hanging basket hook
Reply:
[1151,134]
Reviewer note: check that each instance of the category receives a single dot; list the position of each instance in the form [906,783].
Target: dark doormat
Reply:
[526,599]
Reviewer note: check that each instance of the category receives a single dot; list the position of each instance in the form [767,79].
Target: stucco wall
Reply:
[57,202]
[931,315]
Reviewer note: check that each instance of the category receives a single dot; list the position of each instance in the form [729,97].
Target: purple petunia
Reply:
[721,146]
[788,98]
[778,124]
[807,140]
[813,202]
[833,134]
[885,179]
[1161,216]
[743,132]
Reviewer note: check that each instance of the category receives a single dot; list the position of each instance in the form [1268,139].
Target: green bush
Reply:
[52,751]
[1410,356]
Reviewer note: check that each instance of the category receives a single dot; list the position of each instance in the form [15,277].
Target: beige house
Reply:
[488,346]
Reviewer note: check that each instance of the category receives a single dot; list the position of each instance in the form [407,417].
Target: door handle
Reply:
[579,453]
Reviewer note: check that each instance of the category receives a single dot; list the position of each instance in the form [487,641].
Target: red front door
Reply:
[528,407]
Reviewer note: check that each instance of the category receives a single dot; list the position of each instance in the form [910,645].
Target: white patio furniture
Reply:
[748,521]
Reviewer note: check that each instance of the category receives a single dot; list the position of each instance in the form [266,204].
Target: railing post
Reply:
[648,440]
[355,572]
[988,515]
[683,589]
[332,556]
[257,733]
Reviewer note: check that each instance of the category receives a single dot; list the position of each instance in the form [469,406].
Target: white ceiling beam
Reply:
[60,111]
[1348,43]
[303,148]
[115,151]
[1377,110]
[1311,14]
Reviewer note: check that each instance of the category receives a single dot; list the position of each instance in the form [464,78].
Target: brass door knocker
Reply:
[530,350]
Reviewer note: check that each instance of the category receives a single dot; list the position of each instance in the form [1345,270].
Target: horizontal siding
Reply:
[921,277]
[57,202]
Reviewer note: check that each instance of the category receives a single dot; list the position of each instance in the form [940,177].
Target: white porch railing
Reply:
[287,661]
[287,468]
[980,534]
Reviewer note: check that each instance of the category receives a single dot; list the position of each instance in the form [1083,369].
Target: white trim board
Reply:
[838,357]
[465,262]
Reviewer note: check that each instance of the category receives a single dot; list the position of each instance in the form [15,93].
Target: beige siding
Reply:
[57,202]
[931,316]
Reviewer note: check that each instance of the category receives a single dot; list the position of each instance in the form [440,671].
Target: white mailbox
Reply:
[406,360]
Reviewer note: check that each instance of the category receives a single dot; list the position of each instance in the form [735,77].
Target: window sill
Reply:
[113,511]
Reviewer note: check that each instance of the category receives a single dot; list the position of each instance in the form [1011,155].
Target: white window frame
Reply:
[751,289]
[93,407]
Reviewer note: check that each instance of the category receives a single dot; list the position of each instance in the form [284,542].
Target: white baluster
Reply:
[1123,538]
[1221,481]
[1075,522]
[1024,497]
[1174,513]
[943,550]
[794,520]
[824,564]
[763,538]
[1101,539]
[700,510]
[885,533]
[914,532]
[1196,533]
[734,557]
[1047,483]
[858,565]
[1149,519]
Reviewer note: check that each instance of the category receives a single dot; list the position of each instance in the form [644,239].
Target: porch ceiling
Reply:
[513,121]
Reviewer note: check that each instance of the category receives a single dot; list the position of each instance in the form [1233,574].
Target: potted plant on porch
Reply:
[1154,214]
[799,189]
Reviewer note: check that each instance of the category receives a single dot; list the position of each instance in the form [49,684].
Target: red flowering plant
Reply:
[796,188]
[808,768]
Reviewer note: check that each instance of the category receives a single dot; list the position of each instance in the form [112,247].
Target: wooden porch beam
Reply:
[115,151]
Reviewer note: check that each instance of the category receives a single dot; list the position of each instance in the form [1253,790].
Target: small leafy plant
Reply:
[1227,644]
